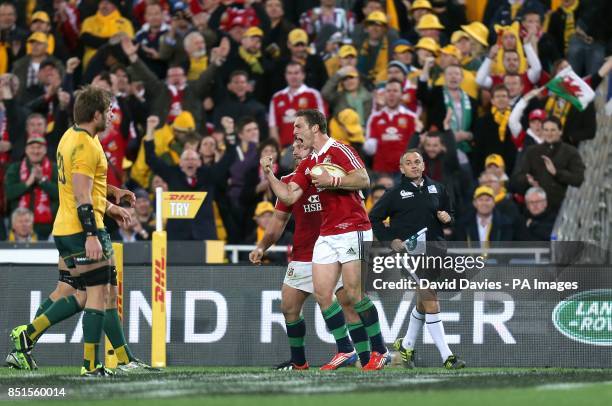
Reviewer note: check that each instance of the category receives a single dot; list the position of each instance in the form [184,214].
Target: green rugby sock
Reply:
[369,317]
[60,310]
[113,329]
[93,323]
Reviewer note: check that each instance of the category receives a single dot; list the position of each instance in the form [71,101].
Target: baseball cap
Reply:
[263,207]
[537,114]
[350,120]
[347,50]
[184,122]
[351,72]
[253,32]
[298,36]
[38,37]
[36,139]
[402,45]
[40,16]
[483,190]
[495,159]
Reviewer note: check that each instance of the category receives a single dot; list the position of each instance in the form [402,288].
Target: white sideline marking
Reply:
[570,385]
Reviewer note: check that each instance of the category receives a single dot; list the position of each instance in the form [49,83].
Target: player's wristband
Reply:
[336,181]
[88,219]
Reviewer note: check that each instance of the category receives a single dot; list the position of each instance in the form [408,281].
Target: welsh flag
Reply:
[572,88]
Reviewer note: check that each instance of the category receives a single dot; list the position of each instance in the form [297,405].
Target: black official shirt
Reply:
[410,209]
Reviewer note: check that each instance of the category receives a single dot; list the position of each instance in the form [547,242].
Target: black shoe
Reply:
[407,355]
[100,372]
[290,366]
[452,362]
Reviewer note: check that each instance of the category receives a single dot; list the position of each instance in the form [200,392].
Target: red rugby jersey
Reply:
[392,130]
[343,210]
[307,215]
[284,106]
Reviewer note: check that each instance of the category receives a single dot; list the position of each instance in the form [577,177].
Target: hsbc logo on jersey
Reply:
[391,134]
[313,205]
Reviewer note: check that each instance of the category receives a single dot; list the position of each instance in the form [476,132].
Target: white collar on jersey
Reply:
[299,90]
[323,150]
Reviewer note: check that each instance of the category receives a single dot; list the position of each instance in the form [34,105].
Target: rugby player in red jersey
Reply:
[345,226]
[297,285]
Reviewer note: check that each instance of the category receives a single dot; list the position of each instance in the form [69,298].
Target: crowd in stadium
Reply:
[218,82]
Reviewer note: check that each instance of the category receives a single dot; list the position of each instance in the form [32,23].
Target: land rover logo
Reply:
[586,317]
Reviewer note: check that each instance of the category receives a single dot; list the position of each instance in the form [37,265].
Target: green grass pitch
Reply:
[350,386]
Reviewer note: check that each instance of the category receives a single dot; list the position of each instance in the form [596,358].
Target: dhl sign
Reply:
[159,284]
[181,205]
[158,299]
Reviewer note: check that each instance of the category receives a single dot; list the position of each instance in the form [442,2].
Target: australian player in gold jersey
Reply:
[84,245]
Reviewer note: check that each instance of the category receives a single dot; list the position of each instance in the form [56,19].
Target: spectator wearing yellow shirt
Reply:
[99,28]
[170,141]
[195,48]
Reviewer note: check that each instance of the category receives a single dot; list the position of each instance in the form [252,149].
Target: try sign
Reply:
[181,205]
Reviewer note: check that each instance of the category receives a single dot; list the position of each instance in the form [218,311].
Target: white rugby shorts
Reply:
[299,276]
[342,248]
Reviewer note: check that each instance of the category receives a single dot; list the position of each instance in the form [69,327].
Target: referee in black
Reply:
[417,202]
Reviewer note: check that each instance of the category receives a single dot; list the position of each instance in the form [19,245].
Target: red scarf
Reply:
[176,102]
[42,203]
[4,136]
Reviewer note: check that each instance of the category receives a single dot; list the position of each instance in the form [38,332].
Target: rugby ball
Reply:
[332,169]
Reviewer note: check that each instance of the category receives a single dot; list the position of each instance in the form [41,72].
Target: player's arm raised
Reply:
[286,193]
[271,235]
[356,179]
[83,186]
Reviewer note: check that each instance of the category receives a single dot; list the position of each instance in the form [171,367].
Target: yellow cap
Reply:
[263,207]
[184,122]
[429,44]
[429,22]
[350,120]
[297,36]
[253,32]
[483,190]
[495,159]
[377,17]
[40,16]
[421,4]
[38,37]
[478,31]
[451,50]
[402,48]
[458,36]
[351,72]
[347,50]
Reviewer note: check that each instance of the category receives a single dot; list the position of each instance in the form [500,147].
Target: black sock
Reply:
[360,341]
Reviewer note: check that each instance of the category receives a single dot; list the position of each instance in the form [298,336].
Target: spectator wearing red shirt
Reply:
[286,103]
[389,130]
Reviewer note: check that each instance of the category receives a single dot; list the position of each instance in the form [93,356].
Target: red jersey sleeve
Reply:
[300,177]
[280,206]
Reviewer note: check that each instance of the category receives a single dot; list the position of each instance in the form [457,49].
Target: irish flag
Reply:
[572,88]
